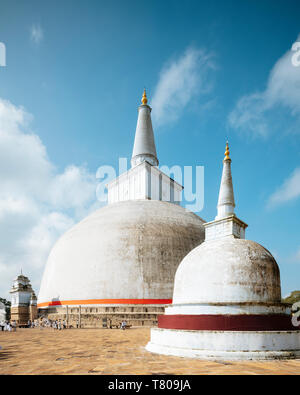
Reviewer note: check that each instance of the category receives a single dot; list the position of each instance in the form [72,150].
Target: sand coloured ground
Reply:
[110,351]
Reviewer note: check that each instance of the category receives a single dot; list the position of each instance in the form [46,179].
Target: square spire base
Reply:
[228,226]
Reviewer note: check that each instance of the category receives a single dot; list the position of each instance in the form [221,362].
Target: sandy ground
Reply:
[110,351]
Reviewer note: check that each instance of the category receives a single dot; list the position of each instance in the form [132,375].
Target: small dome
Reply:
[227,270]
[126,250]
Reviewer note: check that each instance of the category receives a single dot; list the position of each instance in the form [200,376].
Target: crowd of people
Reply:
[47,323]
[59,324]
[8,326]
[11,326]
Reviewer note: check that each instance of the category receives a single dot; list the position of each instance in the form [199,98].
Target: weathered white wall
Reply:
[144,182]
[2,312]
[20,298]
[225,344]
[227,309]
[230,226]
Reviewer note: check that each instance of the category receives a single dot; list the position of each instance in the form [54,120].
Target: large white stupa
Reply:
[227,296]
[123,257]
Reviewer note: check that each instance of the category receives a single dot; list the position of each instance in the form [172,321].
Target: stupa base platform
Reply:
[102,316]
[226,345]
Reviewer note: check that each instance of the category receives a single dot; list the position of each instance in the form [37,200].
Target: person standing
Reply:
[123,325]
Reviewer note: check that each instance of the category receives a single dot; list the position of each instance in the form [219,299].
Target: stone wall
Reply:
[103,316]
[33,314]
[20,314]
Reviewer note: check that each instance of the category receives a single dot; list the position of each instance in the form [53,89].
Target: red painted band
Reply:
[104,301]
[243,322]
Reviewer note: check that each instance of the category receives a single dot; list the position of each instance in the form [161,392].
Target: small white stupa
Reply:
[227,296]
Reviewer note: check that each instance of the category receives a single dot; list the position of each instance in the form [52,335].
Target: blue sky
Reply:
[74,76]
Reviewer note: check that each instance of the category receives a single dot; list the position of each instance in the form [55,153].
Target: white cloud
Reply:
[37,204]
[253,112]
[36,33]
[38,242]
[180,81]
[289,190]
[22,154]
[72,188]
[249,115]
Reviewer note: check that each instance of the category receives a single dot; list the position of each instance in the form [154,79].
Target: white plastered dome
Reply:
[227,270]
[126,250]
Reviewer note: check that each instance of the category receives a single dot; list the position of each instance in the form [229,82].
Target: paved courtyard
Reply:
[110,351]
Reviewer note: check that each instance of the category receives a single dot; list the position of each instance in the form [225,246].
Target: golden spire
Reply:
[144,98]
[227,152]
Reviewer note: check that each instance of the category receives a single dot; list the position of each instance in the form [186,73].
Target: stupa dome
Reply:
[126,251]
[227,296]
[228,270]
[120,262]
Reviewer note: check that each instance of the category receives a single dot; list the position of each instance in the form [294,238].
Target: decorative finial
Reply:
[227,152]
[144,98]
